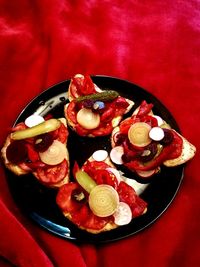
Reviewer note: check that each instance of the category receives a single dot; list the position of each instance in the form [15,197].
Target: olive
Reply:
[16,152]
[43,142]
[168,137]
[148,153]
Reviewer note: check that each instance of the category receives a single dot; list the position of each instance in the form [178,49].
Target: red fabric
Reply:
[154,44]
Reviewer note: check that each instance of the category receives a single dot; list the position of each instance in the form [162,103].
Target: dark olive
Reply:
[16,152]
[43,142]
[168,137]
[148,153]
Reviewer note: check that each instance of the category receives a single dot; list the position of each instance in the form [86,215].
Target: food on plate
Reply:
[40,149]
[91,111]
[99,199]
[145,142]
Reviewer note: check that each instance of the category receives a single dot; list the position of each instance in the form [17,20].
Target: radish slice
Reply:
[138,134]
[147,174]
[116,155]
[100,155]
[55,154]
[123,214]
[33,120]
[156,134]
[159,120]
[88,119]
[116,173]
[103,200]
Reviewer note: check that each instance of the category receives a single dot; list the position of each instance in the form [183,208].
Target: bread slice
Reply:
[110,225]
[22,168]
[188,152]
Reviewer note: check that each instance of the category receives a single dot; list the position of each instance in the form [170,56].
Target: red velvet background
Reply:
[155,44]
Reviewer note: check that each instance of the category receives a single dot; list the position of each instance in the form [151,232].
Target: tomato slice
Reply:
[71,112]
[144,108]
[138,207]
[126,193]
[32,154]
[108,114]
[85,218]
[126,124]
[62,133]
[54,174]
[93,166]
[82,86]
[105,177]
[103,129]
[64,198]
[177,145]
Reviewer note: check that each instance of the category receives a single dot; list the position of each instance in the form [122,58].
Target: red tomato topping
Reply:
[71,112]
[64,198]
[144,108]
[85,218]
[105,177]
[103,129]
[138,207]
[92,167]
[126,193]
[32,154]
[54,174]
[62,133]
[82,86]
[177,145]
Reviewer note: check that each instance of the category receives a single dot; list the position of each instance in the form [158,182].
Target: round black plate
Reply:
[38,202]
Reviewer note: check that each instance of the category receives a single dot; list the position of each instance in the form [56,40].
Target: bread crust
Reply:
[17,170]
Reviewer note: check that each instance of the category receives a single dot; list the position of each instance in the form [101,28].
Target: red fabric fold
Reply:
[154,44]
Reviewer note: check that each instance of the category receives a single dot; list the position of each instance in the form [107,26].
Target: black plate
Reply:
[38,202]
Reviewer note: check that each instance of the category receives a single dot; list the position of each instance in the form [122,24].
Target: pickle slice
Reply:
[44,127]
[85,181]
[104,96]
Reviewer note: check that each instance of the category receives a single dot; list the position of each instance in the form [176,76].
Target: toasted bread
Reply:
[22,168]
[110,224]
[188,152]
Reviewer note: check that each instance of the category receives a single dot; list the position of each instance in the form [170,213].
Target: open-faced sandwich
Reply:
[99,199]
[91,111]
[144,142]
[38,146]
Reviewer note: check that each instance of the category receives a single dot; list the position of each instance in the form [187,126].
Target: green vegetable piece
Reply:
[104,96]
[85,181]
[44,127]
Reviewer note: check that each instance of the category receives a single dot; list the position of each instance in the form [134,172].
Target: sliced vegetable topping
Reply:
[103,200]
[85,181]
[100,155]
[55,154]
[123,214]
[43,142]
[138,134]
[108,95]
[116,154]
[33,120]
[156,133]
[44,127]
[88,119]
[17,152]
